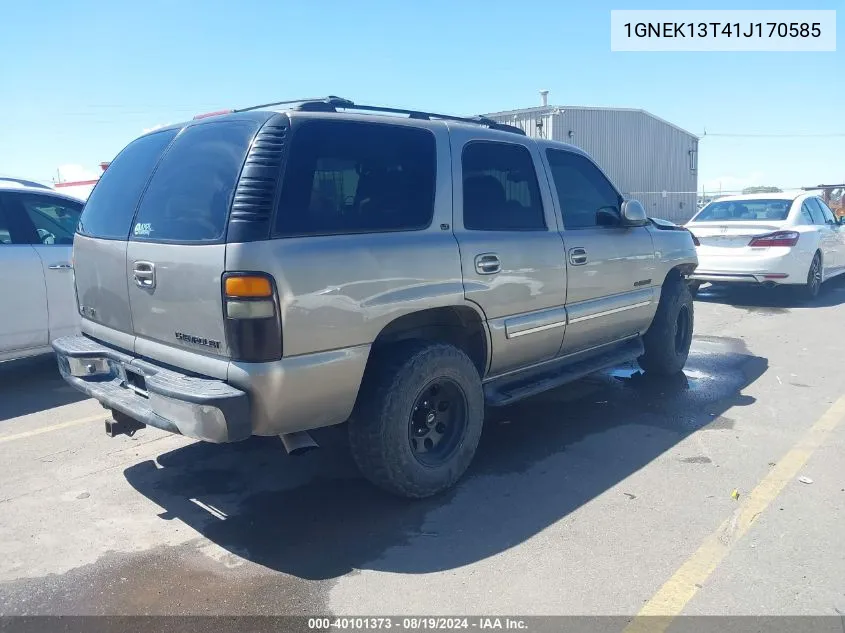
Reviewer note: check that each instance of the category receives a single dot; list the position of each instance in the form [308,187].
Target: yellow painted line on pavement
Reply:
[659,611]
[54,427]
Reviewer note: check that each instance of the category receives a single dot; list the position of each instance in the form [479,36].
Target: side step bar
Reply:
[512,388]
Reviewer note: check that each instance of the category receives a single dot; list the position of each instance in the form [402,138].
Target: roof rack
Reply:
[330,101]
[333,103]
[25,183]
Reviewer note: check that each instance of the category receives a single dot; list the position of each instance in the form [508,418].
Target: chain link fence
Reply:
[675,206]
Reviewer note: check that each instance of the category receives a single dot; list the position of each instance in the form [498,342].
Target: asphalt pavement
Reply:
[615,495]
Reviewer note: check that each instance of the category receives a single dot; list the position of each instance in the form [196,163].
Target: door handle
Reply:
[487,264]
[144,274]
[578,256]
[62,266]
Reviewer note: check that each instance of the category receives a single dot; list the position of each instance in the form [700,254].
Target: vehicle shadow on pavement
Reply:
[32,385]
[315,518]
[773,300]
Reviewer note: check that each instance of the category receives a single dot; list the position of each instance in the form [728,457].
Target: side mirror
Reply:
[633,213]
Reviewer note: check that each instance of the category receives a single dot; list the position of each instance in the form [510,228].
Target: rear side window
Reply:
[189,196]
[827,214]
[814,211]
[5,228]
[500,188]
[109,209]
[806,216]
[351,177]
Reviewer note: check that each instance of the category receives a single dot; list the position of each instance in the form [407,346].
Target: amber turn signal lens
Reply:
[248,287]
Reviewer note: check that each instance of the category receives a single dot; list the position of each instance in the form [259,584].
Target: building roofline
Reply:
[551,108]
[75,183]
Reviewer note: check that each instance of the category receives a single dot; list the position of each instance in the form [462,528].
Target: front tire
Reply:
[418,419]
[668,339]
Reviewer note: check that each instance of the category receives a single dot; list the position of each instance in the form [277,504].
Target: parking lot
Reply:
[598,498]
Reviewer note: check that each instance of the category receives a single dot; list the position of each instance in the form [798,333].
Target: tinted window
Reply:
[500,188]
[54,219]
[827,214]
[109,209]
[5,229]
[806,216]
[746,210]
[582,190]
[348,177]
[189,196]
[814,211]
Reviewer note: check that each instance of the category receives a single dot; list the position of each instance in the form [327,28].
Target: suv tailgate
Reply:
[99,249]
[177,252]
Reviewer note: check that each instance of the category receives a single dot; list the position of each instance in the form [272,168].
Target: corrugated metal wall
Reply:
[648,159]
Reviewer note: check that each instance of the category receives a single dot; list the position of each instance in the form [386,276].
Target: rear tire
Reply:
[810,290]
[418,419]
[668,339]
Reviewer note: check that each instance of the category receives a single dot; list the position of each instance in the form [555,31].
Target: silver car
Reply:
[277,269]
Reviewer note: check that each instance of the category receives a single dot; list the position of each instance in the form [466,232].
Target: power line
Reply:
[790,135]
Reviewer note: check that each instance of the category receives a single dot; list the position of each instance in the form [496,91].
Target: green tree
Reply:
[761,189]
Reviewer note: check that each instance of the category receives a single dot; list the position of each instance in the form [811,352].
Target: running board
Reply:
[514,387]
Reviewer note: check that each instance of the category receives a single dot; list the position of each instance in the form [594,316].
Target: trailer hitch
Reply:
[122,424]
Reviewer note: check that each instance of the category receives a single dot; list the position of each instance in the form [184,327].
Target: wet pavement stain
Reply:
[313,518]
[163,581]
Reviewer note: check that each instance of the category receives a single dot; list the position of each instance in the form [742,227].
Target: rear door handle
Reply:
[144,274]
[62,266]
[578,256]
[487,264]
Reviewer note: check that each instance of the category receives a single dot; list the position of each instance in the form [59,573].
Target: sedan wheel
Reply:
[814,278]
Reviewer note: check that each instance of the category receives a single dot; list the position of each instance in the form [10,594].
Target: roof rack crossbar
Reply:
[330,100]
[333,103]
[26,183]
[420,114]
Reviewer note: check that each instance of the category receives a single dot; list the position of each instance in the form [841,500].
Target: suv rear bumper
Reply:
[201,408]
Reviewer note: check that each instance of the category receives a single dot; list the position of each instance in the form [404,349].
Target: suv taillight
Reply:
[251,314]
[778,238]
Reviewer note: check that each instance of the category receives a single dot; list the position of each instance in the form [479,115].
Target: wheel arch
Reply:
[459,325]
[680,271]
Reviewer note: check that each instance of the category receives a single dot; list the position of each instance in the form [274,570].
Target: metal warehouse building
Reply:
[648,158]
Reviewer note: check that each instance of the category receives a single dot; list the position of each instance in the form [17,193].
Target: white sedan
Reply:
[769,239]
[36,273]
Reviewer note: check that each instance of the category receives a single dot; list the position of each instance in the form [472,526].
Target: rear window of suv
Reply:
[355,177]
[109,209]
[190,193]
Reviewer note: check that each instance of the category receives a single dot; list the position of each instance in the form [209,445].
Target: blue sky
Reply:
[82,79]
